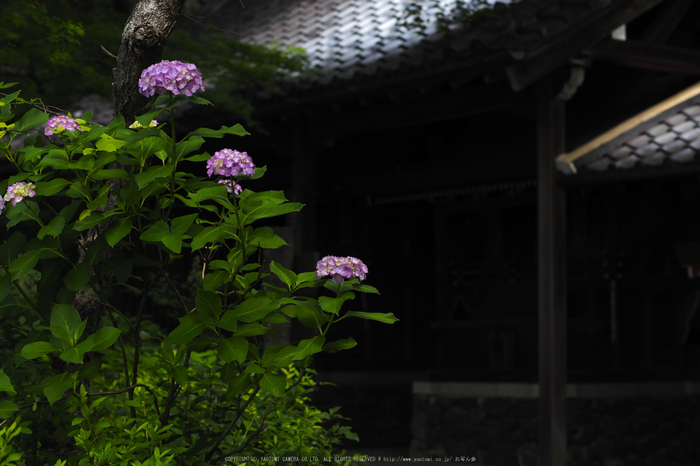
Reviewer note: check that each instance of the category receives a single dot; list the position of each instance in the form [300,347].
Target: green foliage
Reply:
[418,14]
[53,48]
[115,211]
[55,51]
[236,69]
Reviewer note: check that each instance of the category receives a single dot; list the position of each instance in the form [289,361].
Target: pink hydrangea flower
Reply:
[170,76]
[2,204]
[230,163]
[341,268]
[231,186]
[61,123]
[19,191]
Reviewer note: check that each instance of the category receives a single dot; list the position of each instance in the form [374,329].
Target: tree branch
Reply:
[231,424]
[116,392]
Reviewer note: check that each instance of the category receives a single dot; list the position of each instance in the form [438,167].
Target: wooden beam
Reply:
[665,23]
[648,56]
[430,108]
[551,204]
[558,51]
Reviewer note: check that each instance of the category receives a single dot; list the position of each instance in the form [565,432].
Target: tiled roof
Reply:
[663,139]
[361,40]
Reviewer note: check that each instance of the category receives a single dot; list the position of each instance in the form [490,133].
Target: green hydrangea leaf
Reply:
[387,318]
[339,345]
[190,327]
[56,386]
[180,375]
[156,232]
[53,228]
[310,317]
[208,235]
[288,277]
[333,305]
[208,304]
[238,384]
[255,309]
[75,355]
[233,349]
[49,188]
[156,171]
[274,384]
[5,384]
[109,174]
[108,143]
[37,349]
[78,277]
[118,230]
[250,330]
[309,346]
[28,260]
[66,317]
[104,338]
[188,146]
[34,117]
[7,407]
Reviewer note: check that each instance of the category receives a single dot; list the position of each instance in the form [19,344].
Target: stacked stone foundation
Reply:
[620,425]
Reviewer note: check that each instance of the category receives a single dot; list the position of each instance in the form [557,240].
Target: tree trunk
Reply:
[143,38]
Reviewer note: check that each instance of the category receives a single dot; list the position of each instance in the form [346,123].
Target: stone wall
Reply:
[607,431]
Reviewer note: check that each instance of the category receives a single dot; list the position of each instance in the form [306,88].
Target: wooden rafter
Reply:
[648,56]
[561,49]
[666,22]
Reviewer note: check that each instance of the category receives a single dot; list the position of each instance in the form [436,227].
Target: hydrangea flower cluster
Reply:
[230,163]
[232,186]
[19,191]
[341,268]
[2,204]
[137,125]
[61,123]
[170,76]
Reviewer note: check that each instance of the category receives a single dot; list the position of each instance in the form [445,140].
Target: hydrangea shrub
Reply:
[64,197]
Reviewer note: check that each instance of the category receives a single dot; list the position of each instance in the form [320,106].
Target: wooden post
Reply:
[304,191]
[551,203]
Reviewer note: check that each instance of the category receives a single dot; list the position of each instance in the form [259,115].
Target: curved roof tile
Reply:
[342,37]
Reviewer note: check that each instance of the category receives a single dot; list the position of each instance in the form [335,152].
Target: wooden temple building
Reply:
[524,190]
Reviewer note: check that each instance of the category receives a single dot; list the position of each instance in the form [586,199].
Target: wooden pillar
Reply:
[551,203]
[304,191]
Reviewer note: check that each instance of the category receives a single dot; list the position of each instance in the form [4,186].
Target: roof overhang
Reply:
[662,140]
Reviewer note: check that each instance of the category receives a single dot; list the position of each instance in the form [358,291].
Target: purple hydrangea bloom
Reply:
[230,163]
[61,123]
[19,191]
[341,268]
[2,204]
[170,76]
[231,186]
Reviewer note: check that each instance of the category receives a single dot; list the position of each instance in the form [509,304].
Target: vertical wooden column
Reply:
[303,190]
[551,203]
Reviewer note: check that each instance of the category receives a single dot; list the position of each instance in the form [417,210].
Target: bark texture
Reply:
[143,38]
